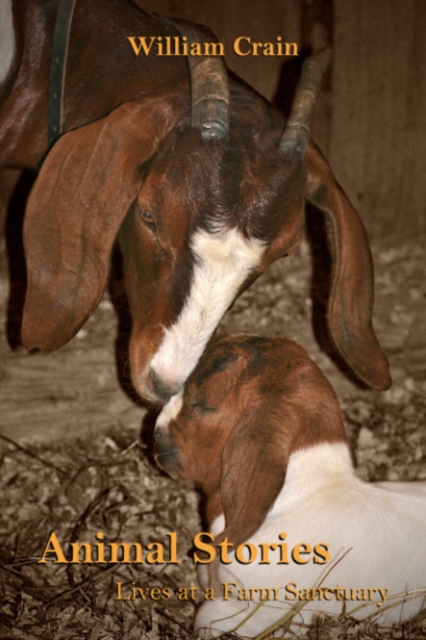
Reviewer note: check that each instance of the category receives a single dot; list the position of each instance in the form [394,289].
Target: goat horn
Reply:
[209,83]
[296,133]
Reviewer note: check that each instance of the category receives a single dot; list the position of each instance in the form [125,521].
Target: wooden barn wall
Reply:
[378,125]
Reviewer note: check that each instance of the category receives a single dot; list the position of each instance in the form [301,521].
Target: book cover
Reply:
[96,541]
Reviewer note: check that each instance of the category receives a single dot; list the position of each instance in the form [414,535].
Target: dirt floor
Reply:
[73,459]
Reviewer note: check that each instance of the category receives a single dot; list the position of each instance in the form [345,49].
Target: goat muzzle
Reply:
[161,389]
[166,452]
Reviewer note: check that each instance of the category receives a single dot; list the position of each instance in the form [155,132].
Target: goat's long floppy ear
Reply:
[253,472]
[82,193]
[351,298]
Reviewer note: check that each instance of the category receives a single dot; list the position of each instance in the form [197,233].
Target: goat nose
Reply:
[162,390]
[166,452]
[163,441]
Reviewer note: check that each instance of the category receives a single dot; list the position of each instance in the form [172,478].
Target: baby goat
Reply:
[295,532]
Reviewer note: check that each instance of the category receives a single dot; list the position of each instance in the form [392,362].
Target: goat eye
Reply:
[148,219]
[201,408]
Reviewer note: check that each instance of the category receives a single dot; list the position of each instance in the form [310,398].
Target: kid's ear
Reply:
[254,464]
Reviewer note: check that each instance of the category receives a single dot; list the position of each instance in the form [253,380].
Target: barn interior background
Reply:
[371,124]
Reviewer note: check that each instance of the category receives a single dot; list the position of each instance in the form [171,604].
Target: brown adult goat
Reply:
[202,198]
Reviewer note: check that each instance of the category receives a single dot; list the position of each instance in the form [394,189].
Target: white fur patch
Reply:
[380,527]
[7,38]
[223,262]
[329,464]
[170,411]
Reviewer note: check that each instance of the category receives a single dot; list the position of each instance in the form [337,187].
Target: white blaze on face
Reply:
[223,262]
[170,411]
[7,38]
